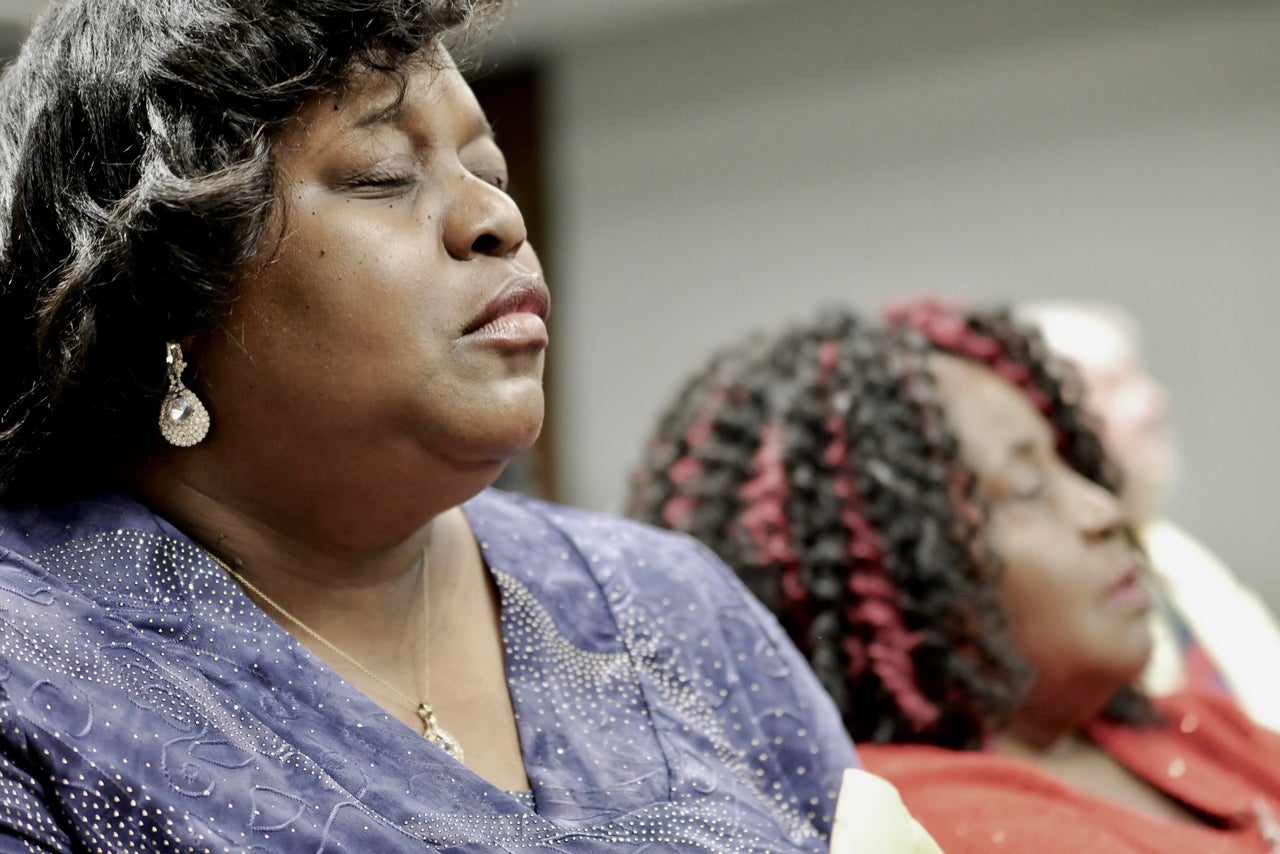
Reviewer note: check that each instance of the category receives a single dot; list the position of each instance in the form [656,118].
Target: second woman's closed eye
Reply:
[1027,484]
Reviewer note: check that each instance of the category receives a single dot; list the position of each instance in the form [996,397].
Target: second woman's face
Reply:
[395,330]
[1073,587]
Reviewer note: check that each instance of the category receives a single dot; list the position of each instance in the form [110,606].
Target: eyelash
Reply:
[380,183]
[402,181]
[390,181]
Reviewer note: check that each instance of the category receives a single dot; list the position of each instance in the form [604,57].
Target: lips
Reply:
[1130,591]
[522,295]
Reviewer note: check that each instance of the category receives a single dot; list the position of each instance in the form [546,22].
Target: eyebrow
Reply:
[382,115]
[391,112]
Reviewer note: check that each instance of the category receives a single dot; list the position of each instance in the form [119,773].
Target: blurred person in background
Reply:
[932,519]
[1214,627]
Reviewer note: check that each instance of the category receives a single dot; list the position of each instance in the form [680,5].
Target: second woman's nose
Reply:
[1096,510]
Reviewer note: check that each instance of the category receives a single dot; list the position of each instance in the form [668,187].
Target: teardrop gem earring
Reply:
[183,419]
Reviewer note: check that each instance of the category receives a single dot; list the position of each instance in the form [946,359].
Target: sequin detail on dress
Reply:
[147,704]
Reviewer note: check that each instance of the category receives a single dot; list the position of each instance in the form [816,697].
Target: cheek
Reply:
[529,259]
[1039,628]
[320,293]
[337,268]
[1020,603]
[1036,593]
[390,241]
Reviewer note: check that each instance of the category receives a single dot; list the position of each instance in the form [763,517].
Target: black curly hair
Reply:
[137,182]
[819,464]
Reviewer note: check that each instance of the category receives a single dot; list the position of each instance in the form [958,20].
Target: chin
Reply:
[524,426]
[513,438]
[1135,663]
[493,429]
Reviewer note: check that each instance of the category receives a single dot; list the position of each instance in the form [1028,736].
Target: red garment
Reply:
[1208,756]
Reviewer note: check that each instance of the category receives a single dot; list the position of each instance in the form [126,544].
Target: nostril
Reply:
[485,244]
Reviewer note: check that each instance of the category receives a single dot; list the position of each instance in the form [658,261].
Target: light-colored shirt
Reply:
[1225,617]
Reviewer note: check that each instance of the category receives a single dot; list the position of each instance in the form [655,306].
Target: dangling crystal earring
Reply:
[183,419]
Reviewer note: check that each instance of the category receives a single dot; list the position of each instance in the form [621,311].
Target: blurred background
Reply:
[694,169]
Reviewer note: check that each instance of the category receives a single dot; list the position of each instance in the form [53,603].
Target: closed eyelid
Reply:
[358,171]
[1024,449]
[1024,473]
[1037,451]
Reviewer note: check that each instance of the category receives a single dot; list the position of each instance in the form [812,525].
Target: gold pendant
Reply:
[434,733]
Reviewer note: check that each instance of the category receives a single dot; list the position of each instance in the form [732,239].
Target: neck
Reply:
[385,614]
[353,505]
[1041,748]
[359,517]
[1050,721]
[366,598]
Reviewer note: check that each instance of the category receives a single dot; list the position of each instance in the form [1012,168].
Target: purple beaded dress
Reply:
[146,704]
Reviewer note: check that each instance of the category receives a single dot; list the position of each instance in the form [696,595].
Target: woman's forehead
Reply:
[370,101]
[988,414]
[361,86]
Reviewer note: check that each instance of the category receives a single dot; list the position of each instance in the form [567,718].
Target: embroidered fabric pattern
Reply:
[147,703]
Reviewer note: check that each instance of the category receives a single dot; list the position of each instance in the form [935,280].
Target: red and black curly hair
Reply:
[820,465]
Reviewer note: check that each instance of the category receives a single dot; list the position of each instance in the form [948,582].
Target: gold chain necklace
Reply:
[431,729]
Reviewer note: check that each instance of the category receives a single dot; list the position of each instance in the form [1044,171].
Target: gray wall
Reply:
[757,158]
[744,170]
[11,36]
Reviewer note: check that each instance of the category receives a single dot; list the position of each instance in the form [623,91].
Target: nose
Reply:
[1096,510]
[483,220]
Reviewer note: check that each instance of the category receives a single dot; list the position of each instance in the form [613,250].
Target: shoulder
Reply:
[1207,715]
[920,768]
[1205,704]
[583,566]
[719,678]
[942,783]
[584,526]
[1186,718]
[90,592]
[36,531]
[975,802]
[612,550]
[110,550]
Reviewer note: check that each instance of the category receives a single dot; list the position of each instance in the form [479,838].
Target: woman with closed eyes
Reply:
[270,327]
[922,502]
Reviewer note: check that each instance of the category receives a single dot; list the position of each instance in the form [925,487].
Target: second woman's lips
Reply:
[525,294]
[1130,591]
